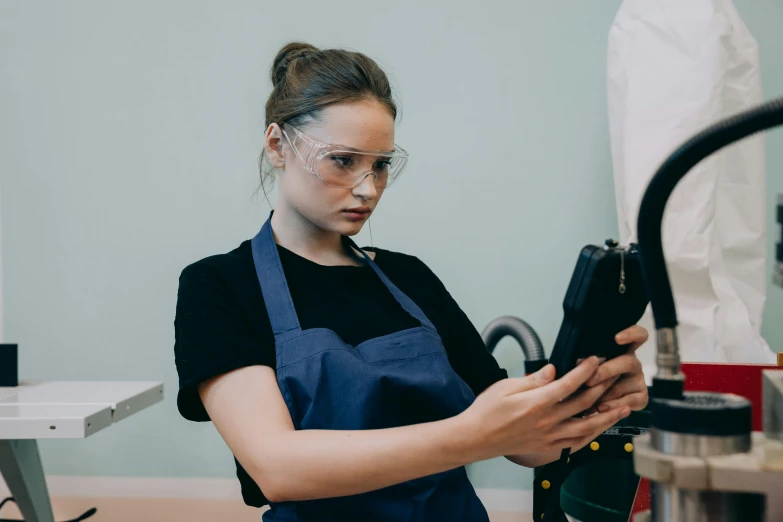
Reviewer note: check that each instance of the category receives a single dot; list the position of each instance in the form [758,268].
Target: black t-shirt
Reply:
[222,324]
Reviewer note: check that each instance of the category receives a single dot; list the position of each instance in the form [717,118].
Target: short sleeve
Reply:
[466,349]
[212,335]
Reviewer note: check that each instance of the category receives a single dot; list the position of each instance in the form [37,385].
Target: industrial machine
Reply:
[703,459]
[703,455]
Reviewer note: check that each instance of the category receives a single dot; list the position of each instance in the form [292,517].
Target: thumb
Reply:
[535,380]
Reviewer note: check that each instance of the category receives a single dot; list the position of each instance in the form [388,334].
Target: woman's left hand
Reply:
[628,387]
[625,371]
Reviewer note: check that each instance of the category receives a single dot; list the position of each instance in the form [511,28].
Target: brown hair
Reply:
[306,80]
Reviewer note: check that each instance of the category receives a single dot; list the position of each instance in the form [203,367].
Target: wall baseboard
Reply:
[508,500]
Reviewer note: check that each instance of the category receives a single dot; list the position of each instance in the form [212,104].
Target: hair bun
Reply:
[286,55]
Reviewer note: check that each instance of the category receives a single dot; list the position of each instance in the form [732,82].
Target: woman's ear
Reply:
[272,146]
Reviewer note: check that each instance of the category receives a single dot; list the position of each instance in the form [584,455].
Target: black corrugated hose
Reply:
[522,333]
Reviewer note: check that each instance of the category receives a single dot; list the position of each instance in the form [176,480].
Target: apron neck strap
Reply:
[274,287]
[406,302]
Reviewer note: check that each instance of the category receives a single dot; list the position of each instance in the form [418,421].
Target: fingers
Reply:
[627,384]
[530,382]
[635,336]
[579,402]
[569,383]
[607,386]
[620,365]
[576,430]
[636,401]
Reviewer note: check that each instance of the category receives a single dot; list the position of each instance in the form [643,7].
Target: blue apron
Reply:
[328,384]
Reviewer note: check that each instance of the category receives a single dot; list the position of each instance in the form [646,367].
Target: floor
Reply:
[173,510]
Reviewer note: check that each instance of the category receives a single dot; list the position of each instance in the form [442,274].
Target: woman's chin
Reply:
[351,229]
[349,225]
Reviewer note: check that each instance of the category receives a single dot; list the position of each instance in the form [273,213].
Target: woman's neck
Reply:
[301,236]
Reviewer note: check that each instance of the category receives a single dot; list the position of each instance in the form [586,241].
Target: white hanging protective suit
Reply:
[674,68]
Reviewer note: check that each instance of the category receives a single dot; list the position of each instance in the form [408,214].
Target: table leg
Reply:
[20,465]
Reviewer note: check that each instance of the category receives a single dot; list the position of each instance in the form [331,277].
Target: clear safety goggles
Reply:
[345,167]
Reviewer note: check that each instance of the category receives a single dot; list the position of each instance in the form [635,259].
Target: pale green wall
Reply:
[128,139]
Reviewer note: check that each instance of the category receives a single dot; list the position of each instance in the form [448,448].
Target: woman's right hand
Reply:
[535,414]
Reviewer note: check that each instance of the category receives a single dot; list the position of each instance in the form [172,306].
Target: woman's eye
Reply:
[383,164]
[343,161]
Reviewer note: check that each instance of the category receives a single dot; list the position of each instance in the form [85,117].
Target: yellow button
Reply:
[594,446]
[569,460]
[542,515]
[545,484]
[629,447]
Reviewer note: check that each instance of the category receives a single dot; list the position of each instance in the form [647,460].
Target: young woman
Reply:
[347,383]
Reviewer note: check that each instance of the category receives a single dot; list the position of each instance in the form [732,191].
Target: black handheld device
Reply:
[606,295]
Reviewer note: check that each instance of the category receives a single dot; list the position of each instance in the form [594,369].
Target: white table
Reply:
[58,410]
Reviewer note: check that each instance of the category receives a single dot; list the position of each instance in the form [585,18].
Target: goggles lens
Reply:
[345,167]
[349,168]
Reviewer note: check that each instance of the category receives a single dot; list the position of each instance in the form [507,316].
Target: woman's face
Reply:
[361,125]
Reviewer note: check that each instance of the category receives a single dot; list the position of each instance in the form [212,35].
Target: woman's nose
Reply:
[366,187]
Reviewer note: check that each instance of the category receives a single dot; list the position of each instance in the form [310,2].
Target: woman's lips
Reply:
[357,213]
